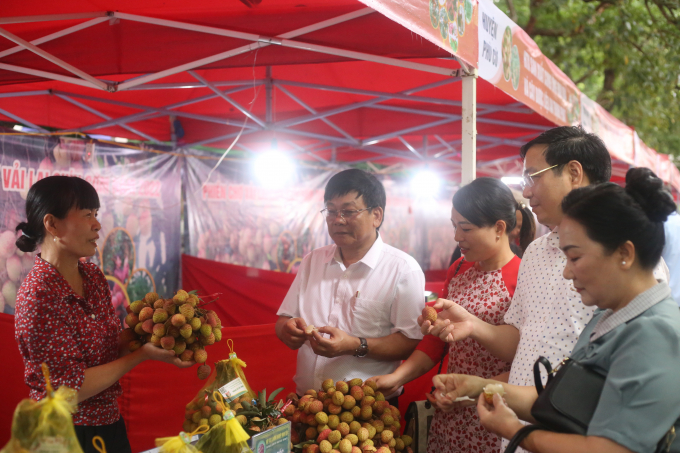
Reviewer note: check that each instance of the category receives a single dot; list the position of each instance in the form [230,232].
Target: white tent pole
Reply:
[469,128]
[262,41]
[23,121]
[51,17]
[227,54]
[59,34]
[104,116]
[221,94]
[46,75]
[51,58]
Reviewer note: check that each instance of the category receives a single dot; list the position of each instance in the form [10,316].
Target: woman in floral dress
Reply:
[483,282]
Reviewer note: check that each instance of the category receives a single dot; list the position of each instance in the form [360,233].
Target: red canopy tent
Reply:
[206,62]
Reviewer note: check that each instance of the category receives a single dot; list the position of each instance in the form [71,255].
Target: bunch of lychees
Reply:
[178,324]
[346,417]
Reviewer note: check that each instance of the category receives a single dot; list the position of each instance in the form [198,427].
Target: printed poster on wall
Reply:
[449,24]
[511,60]
[139,242]
[234,220]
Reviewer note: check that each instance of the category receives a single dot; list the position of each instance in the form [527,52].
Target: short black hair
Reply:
[363,183]
[54,195]
[485,201]
[612,215]
[567,143]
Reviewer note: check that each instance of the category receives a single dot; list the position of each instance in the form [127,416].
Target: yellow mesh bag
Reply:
[230,381]
[228,436]
[45,426]
[181,443]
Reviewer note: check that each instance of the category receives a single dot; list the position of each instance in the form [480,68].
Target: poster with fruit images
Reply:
[511,60]
[139,242]
[449,24]
[234,220]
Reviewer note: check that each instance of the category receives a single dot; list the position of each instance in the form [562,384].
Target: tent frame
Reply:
[442,152]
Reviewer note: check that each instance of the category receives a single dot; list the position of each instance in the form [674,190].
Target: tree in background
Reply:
[625,54]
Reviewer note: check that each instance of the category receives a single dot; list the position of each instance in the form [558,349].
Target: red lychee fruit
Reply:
[147,326]
[200,356]
[178,320]
[429,314]
[145,313]
[167,342]
[203,371]
[132,320]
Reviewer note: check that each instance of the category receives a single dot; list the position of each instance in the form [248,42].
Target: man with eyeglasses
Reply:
[363,295]
[546,314]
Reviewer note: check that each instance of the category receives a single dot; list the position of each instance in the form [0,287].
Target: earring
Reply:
[623,263]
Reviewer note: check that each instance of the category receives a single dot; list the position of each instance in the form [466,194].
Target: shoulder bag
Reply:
[568,402]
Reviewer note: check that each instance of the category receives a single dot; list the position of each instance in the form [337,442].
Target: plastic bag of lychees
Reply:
[230,381]
[45,425]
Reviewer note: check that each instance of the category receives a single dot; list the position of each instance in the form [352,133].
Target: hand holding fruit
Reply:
[386,383]
[454,386]
[497,417]
[443,402]
[339,343]
[293,333]
[152,352]
[453,323]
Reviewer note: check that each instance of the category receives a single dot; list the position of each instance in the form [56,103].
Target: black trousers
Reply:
[114,436]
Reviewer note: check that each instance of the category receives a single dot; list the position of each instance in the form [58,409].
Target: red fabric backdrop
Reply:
[155,393]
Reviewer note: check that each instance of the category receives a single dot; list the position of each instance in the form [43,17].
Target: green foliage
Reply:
[621,53]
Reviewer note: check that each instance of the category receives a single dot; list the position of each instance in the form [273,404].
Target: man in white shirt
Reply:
[363,295]
[546,314]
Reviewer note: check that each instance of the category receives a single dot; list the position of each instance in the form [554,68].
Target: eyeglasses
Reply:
[344,214]
[528,180]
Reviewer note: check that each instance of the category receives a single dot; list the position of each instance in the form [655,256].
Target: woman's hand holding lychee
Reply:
[152,352]
[387,383]
[498,418]
[454,323]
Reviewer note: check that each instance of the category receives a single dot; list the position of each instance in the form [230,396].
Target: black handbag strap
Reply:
[537,372]
[519,437]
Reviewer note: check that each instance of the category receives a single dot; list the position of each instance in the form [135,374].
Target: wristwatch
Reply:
[362,350]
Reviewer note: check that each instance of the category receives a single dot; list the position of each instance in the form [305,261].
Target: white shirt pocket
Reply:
[370,318]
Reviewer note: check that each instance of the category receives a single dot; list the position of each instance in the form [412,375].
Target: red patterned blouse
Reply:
[486,295]
[70,333]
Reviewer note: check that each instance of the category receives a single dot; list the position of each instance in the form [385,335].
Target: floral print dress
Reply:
[486,295]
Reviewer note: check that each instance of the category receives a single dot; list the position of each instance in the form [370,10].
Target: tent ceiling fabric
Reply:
[317,106]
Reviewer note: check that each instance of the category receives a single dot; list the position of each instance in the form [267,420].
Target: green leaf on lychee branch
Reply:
[262,397]
[273,395]
[303,444]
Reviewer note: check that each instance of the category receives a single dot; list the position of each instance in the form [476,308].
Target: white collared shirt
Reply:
[546,309]
[379,295]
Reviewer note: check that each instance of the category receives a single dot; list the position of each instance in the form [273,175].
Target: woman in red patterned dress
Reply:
[483,282]
[64,315]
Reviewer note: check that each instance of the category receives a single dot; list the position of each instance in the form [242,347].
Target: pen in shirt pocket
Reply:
[357,294]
